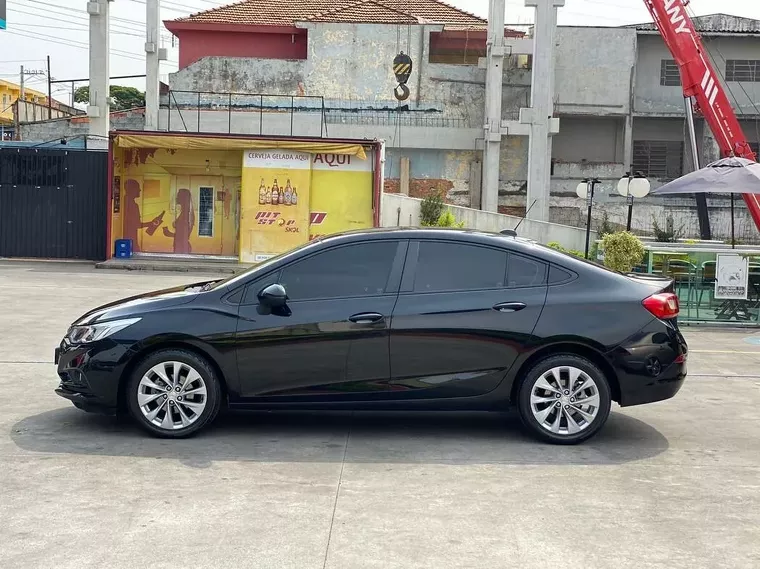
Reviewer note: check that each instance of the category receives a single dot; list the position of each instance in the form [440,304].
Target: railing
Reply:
[393,118]
[274,114]
[288,115]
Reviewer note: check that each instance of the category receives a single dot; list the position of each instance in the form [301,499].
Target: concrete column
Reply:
[493,132]
[539,116]
[100,49]
[404,177]
[710,151]
[628,142]
[152,63]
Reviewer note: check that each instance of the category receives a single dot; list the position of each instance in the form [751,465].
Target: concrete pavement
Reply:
[671,485]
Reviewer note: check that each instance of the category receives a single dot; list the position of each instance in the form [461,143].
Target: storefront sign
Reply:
[275,202]
[341,194]
[732,277]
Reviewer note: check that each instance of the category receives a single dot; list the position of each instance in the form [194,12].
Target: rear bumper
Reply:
[658,389]
[651,365]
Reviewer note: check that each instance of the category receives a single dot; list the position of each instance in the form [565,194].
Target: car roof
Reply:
[506,240]
[470,235]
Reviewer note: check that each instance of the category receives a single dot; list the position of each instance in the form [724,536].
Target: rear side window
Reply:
[450,267]
[558,276]
[524,272]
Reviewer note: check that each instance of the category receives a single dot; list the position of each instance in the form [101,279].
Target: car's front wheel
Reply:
[564,399]
[173,394]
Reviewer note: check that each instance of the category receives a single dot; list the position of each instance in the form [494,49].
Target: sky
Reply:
[58,28]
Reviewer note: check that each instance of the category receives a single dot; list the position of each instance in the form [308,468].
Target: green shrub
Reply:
[561,249]
[447,219]
[622,251]
[606,227]
[431,210]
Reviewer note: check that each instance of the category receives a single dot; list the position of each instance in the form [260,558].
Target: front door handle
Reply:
[367,318]
[509,306]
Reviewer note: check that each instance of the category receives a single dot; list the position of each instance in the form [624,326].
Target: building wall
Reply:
[63,128]
[589,139]
[9,94]
[594,70]
[195,45]
[651,97]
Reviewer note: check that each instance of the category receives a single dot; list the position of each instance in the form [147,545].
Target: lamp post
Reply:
[633,186]
[585,190]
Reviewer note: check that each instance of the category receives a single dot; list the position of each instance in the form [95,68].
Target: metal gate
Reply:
[53,203]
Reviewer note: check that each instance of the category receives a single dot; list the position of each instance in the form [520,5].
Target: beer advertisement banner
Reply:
[275,203]
[341,194]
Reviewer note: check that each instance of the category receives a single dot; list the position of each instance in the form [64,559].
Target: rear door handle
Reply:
[509,306]
[367,318]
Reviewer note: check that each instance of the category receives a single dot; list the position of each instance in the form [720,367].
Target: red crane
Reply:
[701,82]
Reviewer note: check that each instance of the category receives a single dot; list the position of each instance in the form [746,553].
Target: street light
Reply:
[585,190]
[636,186]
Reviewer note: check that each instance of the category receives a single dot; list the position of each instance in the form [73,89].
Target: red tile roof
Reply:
[288,12]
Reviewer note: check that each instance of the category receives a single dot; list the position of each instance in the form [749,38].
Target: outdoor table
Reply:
[726,310]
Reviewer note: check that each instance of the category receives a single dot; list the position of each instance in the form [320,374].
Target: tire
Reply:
[193,400]
[539,395]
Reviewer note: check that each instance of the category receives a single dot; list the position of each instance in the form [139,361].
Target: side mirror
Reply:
[273,296]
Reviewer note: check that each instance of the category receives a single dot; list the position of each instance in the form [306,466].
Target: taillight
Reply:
[663,305]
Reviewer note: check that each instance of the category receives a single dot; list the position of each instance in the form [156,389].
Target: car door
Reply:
[464,313]
[332,339]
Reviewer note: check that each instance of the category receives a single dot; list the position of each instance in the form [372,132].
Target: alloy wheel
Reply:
[565,400]
[172,395]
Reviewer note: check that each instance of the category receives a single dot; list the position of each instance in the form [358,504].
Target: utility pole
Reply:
[543,125]
[100,48]
[50,90]
[492,125]
[152,63]
[17,112]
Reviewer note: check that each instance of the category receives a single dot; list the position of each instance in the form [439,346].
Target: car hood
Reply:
[140,304]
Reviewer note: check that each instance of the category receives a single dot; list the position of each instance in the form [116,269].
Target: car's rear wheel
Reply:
[173,394]
[564,399]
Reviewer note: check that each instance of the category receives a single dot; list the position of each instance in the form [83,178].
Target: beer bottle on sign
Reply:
[275,193]
[288,193]
[262,193]
[268,199]
[294,197]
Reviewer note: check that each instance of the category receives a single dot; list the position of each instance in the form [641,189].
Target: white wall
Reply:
[404,211]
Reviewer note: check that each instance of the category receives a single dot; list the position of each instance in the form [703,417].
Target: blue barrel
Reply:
[123,248]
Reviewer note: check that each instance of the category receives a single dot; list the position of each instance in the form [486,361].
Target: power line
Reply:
[116,32]
[78,11]
[71,43]
[136,26]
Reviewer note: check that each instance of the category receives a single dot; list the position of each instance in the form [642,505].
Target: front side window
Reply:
[344,272]
[451,267]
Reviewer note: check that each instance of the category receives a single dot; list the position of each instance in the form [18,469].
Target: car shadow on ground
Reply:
[362,437]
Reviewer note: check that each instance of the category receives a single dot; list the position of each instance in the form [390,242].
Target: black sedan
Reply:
[386,319]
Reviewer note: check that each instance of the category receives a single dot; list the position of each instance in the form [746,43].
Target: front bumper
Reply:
[89,375]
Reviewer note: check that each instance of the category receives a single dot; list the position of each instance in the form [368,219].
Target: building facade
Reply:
[325,68]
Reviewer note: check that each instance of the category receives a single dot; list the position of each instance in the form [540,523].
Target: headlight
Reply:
[95,332]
